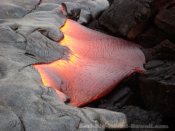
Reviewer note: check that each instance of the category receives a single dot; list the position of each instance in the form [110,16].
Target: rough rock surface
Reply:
[157,85]
[25,104]
[150,37]
[127,99]
[83,11]
[126,18]
[27,5]
[165,19]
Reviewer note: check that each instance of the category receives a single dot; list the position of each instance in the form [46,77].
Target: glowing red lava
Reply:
[97,63]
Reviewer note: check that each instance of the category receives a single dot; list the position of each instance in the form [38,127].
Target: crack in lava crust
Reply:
[97,63]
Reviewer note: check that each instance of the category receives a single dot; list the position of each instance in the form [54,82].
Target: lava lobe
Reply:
[96,64]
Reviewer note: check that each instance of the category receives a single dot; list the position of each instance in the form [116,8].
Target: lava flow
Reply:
[97,63]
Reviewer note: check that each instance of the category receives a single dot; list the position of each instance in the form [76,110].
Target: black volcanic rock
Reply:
[126,18]
[150,37]
[157,86]
[125,99]
[163,51]
[165,19]
[138,116]
[159,95]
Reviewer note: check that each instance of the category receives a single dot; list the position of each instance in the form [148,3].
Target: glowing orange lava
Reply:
[97,63]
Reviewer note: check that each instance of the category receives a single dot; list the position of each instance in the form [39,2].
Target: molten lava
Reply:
[97,63]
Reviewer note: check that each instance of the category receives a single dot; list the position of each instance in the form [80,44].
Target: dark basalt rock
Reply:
[126,18]
[127,99]
[150,37]
[165,19]
[138,116]
[153,64]
[160,4]
[163,51]
[158,91]
[157,86]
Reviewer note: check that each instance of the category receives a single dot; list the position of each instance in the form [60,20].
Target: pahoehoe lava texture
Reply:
[29,34]
[97,63]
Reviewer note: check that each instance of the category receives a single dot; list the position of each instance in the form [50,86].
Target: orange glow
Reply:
[96,64]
